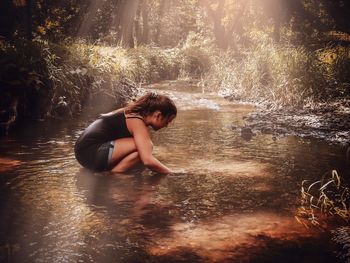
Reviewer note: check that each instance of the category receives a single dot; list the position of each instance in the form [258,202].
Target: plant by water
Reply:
[324,199]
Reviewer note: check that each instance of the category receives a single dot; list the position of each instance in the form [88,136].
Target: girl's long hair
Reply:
[147,104]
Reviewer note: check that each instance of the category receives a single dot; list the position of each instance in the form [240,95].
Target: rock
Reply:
[247,133]
[62,109]
[233,127]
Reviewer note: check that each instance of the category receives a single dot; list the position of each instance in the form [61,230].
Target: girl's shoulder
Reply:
[133,116]
[112,113]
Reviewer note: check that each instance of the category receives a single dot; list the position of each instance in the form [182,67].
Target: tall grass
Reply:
[41,79]
[281,76]
[328,197]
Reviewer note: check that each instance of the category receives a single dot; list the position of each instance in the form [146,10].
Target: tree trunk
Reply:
[144,13]
[161,10]
[219,29]
[236,27]
[220,33]
[88,20]
[115,24]
[277,28]
[29,19]
[137,27]
[7,14]
[127,22]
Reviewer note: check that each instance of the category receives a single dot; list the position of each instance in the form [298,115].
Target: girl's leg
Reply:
[127,163]
[124,155]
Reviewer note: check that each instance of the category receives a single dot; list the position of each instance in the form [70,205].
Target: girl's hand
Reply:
[178,172]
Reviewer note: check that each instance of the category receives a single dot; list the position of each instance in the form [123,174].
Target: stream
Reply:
[232,199]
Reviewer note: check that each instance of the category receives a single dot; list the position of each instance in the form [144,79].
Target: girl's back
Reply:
[106,128]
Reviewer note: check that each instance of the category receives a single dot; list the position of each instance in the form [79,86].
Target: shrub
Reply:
[195,55]
[336,61]
[40,79]
[154,64]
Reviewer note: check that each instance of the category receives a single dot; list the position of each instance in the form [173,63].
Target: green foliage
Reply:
[57,19]
[144,63]
[40,79]
[23,77]
[336,61]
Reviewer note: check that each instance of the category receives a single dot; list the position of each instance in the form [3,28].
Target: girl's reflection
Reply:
[121,196]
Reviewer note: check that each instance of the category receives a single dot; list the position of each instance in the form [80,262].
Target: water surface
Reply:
[233,198]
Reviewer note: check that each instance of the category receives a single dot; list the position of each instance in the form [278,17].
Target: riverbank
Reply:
[330,122]
[297,91]
[325,121]
[42,80]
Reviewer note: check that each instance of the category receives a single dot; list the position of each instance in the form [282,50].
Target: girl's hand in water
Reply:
[178,172]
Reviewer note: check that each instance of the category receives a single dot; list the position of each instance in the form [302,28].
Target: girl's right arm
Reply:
[144,146]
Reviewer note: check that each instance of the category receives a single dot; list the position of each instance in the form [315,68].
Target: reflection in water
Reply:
[230,200]
[230,236]
[8,164]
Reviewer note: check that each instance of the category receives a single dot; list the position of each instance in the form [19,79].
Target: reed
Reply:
[324,199]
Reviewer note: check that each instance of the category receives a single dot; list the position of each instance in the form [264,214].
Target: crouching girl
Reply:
[120,139]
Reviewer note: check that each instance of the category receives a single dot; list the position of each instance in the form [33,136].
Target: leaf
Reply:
[335,174]
[41,30]
[311,185]
[325,185]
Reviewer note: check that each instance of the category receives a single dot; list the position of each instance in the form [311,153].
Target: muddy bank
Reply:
[328,122]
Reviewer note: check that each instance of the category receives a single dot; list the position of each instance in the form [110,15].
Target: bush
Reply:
[24,78]
[40,79]
[336,61]
[195,55]
[154,64]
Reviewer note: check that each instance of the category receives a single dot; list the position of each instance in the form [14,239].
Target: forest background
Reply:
[58,56]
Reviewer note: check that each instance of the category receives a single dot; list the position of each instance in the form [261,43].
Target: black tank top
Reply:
[104,129]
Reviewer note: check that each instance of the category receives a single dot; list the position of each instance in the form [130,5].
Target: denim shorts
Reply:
[103,159]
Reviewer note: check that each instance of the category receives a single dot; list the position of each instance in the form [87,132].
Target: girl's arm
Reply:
[144,146]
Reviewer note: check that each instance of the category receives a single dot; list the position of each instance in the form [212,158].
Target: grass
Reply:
[40,76]
[41,79]
[281,76]
[326,198]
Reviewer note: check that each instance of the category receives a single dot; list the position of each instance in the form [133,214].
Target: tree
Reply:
[158,28]
[144,13]
[88,19]
[216,16]
[129,8]
[141,23]
[226,17]
[7,18]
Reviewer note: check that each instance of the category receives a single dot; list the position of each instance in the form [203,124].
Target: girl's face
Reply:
[158,121]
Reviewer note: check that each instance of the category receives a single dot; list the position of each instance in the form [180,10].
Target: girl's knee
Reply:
[135,156]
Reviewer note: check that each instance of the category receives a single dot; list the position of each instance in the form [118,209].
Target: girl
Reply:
[119,140]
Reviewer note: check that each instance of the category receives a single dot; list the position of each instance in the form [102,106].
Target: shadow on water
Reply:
[232,198]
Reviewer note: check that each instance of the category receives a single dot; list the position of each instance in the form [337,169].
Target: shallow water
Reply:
[232,198]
